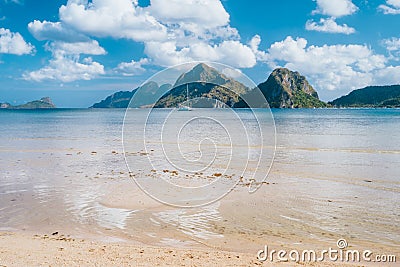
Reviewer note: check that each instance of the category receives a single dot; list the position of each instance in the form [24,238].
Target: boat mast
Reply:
[187,93]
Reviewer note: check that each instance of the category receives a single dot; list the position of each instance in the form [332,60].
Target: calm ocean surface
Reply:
[336,171]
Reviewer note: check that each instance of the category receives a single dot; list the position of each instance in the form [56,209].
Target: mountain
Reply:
[43,103]
[371,96]
[178,94]
[117,100]
[283,89]
[121,99]
[288,89]
[216,87]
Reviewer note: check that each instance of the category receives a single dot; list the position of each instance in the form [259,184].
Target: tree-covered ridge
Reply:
[282,89]
[371,96]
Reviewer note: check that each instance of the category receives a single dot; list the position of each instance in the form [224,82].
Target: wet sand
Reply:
[108,209]
[72,179]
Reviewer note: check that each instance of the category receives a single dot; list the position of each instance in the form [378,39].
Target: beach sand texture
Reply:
[332,178]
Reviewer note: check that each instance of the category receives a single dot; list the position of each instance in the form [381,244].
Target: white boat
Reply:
[184,107]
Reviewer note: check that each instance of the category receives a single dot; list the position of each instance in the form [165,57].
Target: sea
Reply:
[117,175]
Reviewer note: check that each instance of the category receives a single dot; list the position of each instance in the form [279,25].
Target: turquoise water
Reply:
[58,166]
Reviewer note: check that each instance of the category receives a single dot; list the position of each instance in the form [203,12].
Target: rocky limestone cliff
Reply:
[288,89]
[283,89]
[218,86]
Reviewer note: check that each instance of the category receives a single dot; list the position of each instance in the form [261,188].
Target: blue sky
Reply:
[78,51]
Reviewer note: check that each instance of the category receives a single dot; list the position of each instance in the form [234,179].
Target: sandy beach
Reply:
[23,249]
[71,179]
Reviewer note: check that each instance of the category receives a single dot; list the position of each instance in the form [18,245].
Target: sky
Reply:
[79,51]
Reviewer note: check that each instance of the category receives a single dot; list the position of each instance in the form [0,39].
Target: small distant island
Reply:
[283,89]
[43,103]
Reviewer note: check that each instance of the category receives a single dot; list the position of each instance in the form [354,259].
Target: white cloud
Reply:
[388,76]
[392,44]
[66,69]
[193,15]
[209,13]
[255,43]
[328,25]
[67,65]
[229,52]
[336,8]
[118,18]
[55,31]
[330,67]
[66,45]
[91,47]
[172,31]
[14,43]
[235,54]
[392,7]
[132,68]
[393,47]
[333,9]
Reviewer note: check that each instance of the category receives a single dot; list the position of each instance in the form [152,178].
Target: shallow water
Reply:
[335,174]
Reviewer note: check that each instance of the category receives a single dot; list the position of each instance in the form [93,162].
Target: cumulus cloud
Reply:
[229,52]
[132,68]
[328,25]
[115,18]
[91,47]
[206,13]
[388,75]
[55,31]
[193,15]
[330,67]
[66,45]
[14,43]
[67,65]
[333,9]
[392,7]
[66,69]
[337,8]
[172,31]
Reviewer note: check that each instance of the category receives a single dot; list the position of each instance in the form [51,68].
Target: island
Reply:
[282,89]
[371,97]
[43,103]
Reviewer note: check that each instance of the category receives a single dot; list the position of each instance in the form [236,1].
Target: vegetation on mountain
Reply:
[288,89]
[371,96]
[282,89]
